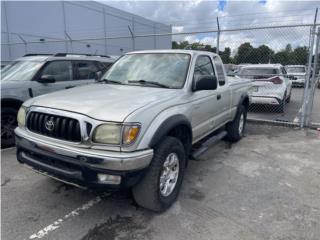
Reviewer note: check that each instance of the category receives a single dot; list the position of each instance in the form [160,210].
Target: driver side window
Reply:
[203,67]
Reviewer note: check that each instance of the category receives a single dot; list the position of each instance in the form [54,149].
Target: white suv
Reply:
[271,85]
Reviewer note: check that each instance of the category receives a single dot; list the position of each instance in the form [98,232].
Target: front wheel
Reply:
[8,124]
[159,189]
[235,129]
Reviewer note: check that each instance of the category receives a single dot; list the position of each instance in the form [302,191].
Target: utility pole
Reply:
[218,36]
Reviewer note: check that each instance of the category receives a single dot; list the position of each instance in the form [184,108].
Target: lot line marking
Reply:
[3,150]
[76,212]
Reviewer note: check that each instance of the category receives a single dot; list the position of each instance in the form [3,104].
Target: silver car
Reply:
[37,74]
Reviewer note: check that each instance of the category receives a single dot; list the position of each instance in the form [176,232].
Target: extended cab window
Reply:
[220,73]
[85,70]
[60,70]
[203,67]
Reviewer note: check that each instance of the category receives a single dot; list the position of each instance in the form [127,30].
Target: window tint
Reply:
[60,70]
[85,70]
[203,67]
[220,73]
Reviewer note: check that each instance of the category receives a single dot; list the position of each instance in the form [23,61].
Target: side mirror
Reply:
[47,79]
[205,83]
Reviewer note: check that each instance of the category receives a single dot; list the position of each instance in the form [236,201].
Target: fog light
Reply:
[109,179]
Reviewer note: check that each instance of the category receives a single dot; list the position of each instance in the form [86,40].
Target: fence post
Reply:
[307,87]
[64,23]
[105,31]
[218,36]
[25,44]
[313,78]
[155,36]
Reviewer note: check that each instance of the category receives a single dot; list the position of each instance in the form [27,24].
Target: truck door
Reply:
[204,103]
[224,93]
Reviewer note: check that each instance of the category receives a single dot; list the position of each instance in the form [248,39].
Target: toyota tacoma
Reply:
[137,128]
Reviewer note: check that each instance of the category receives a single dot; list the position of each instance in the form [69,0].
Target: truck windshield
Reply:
[20,70]
[150,69]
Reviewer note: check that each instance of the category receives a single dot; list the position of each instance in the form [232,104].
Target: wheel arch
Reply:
[176,126]
[11,103]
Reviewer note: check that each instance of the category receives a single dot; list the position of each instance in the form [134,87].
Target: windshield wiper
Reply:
[149,82]
[110,81]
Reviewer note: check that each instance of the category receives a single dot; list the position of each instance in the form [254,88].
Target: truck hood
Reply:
[107,102]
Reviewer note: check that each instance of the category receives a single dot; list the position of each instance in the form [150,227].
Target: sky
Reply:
[198,15]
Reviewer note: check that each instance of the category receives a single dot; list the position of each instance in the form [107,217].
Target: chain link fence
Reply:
[279,60]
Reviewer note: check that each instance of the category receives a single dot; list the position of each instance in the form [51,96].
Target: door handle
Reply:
[219,96]
[67,87]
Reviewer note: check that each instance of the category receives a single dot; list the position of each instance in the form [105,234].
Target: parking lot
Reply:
[267,186]
[292,111]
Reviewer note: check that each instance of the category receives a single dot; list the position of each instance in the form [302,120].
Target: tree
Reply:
[244,53]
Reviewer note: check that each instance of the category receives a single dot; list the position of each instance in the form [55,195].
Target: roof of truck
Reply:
[192,52]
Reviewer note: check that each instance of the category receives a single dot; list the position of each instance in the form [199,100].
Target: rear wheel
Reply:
[235,129]
[160,187]
[8,124]
[281,106]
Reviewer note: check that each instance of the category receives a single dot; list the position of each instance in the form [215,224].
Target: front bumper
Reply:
[80,166]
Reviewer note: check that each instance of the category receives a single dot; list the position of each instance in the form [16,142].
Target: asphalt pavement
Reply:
[267,186]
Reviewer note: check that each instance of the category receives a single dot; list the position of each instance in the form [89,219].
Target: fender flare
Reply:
[167,125]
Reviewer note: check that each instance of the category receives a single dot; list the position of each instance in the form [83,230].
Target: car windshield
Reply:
[296,69]
[20,70]
[150,69]
[257,73]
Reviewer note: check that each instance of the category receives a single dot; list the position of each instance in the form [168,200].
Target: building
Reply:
[75,27]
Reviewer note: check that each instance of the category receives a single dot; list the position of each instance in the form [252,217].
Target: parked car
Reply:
[37,74]
[297,74]
[136,129]
[271,85]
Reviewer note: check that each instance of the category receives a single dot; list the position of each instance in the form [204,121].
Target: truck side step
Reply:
[208,141]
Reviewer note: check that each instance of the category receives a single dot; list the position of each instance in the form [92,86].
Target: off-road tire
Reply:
[233,133]
[6,114]
[147,192]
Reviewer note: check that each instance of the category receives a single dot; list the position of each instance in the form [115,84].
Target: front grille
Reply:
[62,128]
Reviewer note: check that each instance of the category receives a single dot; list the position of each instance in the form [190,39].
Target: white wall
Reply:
[28,21]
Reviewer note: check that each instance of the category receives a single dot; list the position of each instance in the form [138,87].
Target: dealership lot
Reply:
[292,111]
[264,187]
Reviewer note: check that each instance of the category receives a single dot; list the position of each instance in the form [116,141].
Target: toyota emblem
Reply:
[49,125]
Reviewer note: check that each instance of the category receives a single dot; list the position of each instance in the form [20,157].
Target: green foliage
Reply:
[246,53]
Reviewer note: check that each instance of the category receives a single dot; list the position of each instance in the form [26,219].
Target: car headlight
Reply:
[21,116]
[108,134]
[116,134]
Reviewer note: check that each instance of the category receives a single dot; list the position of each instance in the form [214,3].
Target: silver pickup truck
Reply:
[138,127]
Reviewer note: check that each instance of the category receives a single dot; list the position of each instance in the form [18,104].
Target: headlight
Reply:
[107,134]
[21,117]
[116,134]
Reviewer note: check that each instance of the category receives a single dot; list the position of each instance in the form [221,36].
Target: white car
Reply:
[297,74]
[271,85]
